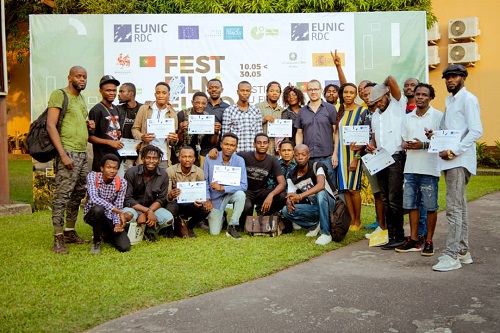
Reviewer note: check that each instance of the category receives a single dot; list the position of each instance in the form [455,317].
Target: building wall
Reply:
[18,99]
[482,80]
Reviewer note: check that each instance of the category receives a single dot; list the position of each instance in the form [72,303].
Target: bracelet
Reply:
[300,197]
[358,156]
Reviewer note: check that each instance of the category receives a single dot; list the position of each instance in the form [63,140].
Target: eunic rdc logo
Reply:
[317,31]
[139,33]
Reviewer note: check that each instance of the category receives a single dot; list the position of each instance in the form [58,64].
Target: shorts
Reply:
[420,189]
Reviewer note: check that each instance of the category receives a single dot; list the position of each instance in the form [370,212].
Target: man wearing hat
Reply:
[458,163]
[105,138]
[387,123]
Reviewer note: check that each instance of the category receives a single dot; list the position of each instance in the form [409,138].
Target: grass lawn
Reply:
[21,180]
[44,292]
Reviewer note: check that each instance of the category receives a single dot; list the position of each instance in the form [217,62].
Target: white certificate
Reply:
[129,147]
[201,124]
[444,140]
[379,160]
[280,128]
[176,87]
[192,191]
[160,127]
[359,134]
[227,175]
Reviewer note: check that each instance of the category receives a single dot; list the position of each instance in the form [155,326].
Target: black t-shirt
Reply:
[204,142]
[107,126]
[258,172]
[127,117]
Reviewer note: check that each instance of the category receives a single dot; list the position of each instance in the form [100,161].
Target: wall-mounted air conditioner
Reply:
[461,28]
[433,56]
[433,33]
[461,53]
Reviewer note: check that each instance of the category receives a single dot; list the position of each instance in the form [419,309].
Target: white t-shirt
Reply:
[387,125]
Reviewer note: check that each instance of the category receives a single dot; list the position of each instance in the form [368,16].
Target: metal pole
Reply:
[4,153]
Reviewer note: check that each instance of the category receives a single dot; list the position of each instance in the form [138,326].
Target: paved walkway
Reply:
[353,289]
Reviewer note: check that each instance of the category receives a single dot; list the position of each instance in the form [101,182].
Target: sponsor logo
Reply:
[147,61]
[260,32]
[233,33]
[300,32]
[213,33]
[293,61]
[188,32]
[302,86]
[123,60]
[123,33]
[325,59]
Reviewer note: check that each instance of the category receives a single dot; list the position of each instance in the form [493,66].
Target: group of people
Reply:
[295,176]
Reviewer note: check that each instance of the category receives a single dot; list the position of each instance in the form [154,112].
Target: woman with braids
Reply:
[293,100]
[349,167]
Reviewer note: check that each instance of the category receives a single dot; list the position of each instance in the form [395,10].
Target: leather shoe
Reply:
[59,246]
[70,236]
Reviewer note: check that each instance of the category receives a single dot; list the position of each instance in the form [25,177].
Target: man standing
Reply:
[105,138]
[260,167]
[421,172]
[386,126]
[218,196]
[270,110]
[147,188]
[216,105]
[331,94]
[104,206]
[70,164]
[310,196]
[127,110]
[315,125]
[186,171]
[458,163]
[243,119]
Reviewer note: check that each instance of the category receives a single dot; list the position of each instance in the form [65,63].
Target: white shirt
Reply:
[387,125]
[421,161]
[462,113]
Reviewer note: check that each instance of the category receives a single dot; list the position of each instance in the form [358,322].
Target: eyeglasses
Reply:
[313,89]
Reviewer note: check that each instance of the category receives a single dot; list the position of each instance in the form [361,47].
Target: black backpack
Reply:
[40,147]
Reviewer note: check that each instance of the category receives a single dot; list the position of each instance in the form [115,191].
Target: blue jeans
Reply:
[327,161]
[215,217]
[307,216]
[163,216]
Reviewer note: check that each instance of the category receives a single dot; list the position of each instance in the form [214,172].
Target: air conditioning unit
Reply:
[433,56]
[463,28]
[460,53]
[433,33]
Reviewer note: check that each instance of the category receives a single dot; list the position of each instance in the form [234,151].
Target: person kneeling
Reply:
[104,206]
[310,196]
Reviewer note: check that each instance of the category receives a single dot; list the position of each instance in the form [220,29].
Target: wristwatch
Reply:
[451,155]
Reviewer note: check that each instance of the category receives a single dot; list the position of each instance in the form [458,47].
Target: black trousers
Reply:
[188,210]
[390,181]
[257,197]
[104,228]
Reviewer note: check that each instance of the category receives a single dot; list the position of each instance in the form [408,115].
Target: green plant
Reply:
[484,157]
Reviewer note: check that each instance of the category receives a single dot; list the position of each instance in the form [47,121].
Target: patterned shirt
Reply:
[245,124]
[105,195]
[268,110]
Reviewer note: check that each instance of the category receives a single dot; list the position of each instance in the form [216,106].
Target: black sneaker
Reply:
[203,225]
[95,248]
[150,236]
[409,245]
[231,232]
[393,243]
[191,233]
[428,249]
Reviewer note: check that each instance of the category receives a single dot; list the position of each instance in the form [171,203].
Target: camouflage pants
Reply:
[70,189]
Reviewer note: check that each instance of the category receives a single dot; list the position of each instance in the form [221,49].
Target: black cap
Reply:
[108,79]
[455,70]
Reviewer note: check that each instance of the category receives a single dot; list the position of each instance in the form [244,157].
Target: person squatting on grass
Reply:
[104,206]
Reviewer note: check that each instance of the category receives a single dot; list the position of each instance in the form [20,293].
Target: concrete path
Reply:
[353,289]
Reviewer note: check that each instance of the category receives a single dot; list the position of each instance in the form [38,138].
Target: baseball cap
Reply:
[108,79]
[455,70]
[378,92]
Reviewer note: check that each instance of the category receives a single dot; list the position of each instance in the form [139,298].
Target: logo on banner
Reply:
[123,61]
[300,31]
[322,60]
[189,32]
[213,33]
[233,33]
[260,32]
[293,60]
[123,33]
[147,61]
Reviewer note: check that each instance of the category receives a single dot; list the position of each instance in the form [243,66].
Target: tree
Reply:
[18,11]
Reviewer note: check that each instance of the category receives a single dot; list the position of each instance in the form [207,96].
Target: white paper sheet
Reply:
[160,127]
[227,175]
[280,128]
[359,134]
[443,140]
[129,147]
[379,160]
[192,191]
[201,124]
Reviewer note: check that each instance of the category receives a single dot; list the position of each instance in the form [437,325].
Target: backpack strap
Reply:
[63,110]
[117,181]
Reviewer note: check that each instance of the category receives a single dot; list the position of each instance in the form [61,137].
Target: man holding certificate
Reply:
[226,182]
[187,190]
[156,124]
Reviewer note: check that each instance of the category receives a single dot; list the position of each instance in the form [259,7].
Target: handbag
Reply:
[340,220]
[269,225]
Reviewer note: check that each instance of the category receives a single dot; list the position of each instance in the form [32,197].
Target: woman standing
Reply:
[293,100]
[349,167]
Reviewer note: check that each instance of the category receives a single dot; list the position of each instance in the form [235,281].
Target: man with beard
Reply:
[270,110]
[458,163]
[70,164]
[243,119]
[105,138]
[260,168]
[216,105]
[310,196]
[331,94]
[147,188]
[386,127]
[127,110]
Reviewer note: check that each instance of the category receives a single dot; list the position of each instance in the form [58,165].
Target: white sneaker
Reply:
[324,239]
[367,236]
[447,263]
[465,258]
[296,226]
[313,233]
